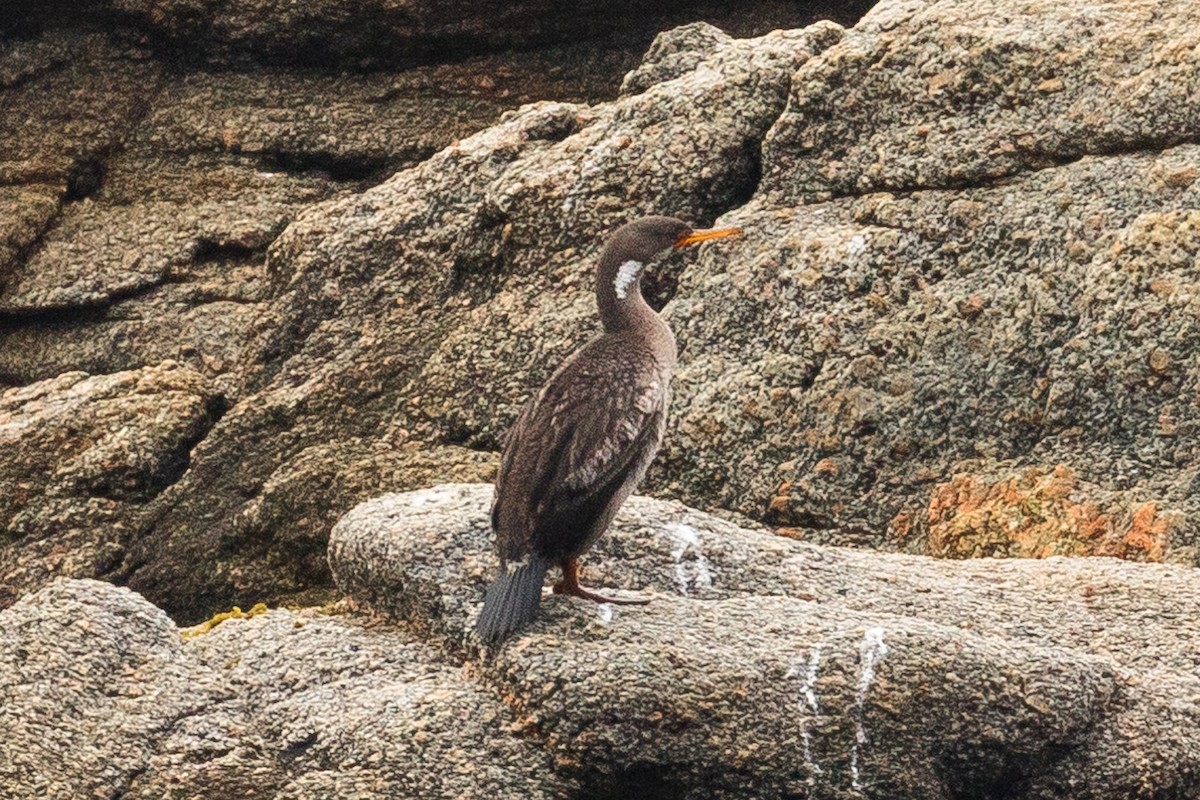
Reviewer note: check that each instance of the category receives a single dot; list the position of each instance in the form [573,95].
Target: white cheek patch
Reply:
[627,275]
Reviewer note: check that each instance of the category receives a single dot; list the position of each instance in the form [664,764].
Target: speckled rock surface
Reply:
[81,456]
[291,515]
[91,679]
[950,94]
[101,696]
[773,668]
[970,262]
[889,344]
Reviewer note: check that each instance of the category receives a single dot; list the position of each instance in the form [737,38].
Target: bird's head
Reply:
[649,238]
[641,242]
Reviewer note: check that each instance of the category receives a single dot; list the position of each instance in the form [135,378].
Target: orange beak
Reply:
[695,237]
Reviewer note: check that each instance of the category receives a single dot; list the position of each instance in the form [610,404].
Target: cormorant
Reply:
[582,445]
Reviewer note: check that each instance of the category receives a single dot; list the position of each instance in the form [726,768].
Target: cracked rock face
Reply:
[138,227]
[81,456]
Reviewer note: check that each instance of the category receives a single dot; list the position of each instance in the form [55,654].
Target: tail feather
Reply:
[512,599]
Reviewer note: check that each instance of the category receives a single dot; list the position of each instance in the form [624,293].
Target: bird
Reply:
[583,443]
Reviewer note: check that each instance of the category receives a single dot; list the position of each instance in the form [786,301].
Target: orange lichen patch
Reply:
[1180,179]
[1162,287]
[1167,425]
[1035,514]
[1148,532]
[826,466]
[782,499]
[1160,360]
[1050,85]
[779,504]
[900,527]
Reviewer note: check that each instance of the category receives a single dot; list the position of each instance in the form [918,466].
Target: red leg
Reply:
[570,585]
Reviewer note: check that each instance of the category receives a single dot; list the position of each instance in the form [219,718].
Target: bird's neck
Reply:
[619,296]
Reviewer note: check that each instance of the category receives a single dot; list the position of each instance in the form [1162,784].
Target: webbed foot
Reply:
[569,585]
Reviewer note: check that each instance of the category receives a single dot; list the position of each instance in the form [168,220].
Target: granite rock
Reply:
[103,696]
[883,346]
[774,668]
[80,458]
[965,271]
[761,666]
[926,95]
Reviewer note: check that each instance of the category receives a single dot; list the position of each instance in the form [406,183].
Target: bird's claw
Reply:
[575,590]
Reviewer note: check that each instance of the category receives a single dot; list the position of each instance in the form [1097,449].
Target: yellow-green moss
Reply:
[334,608]
[233,613]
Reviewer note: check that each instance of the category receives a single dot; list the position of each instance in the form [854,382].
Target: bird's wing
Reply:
[507,456]
[576,440]
[609,423]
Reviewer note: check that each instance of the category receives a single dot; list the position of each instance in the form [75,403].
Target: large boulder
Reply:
[771,668]
[91,680]
[948,94]
[862,357]
[81,456]
[1000,288]
[102,696]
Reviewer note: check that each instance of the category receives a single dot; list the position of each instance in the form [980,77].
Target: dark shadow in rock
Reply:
[659,286]
[343,169]
[86,177]
[48,318]
[481,257]
[389,37]
[636,780]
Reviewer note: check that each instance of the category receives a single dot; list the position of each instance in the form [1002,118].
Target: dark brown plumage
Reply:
[582,445]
